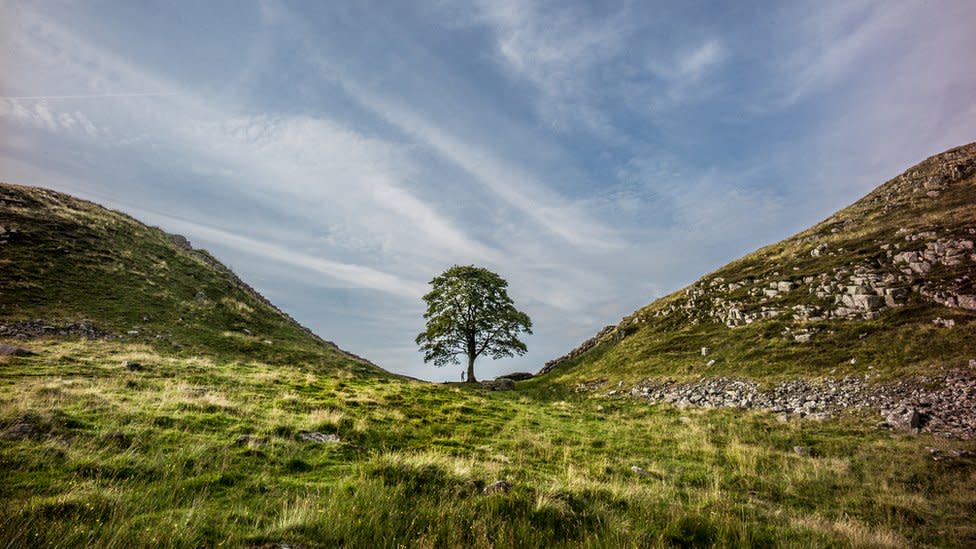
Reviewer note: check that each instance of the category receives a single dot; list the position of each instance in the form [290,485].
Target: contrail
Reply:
[91,96]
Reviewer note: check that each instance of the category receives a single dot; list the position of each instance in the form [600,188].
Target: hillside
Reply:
[884,288]
[149,398]
[71,267]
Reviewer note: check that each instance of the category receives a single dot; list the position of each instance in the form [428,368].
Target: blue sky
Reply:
[338,155]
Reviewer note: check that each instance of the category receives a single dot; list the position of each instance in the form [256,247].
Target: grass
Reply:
[121,458]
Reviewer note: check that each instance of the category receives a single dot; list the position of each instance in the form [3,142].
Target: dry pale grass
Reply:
[237,306]
[855,533]
[465,467]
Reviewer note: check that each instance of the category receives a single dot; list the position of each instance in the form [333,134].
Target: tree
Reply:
[469,313]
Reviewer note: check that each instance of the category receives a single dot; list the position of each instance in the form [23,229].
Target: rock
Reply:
[132,332]
[249,439]
[13,350]
[641,471]
[867,302]
[783,418]
[710,363]
[944,322]
[904,419]
[180,241]
[22,430]
[580,349]
[516,376]
[920,267]
[499,384]
[317,437]
[801,450]
[705,351]
[966,302]
[497,487]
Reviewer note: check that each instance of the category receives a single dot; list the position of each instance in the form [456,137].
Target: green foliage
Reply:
[470,313]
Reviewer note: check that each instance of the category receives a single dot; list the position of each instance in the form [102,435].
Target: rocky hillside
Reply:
[72,268]
[885,287]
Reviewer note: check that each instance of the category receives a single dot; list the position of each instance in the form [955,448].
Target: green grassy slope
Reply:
[154,458]
[807,330]
[65,260]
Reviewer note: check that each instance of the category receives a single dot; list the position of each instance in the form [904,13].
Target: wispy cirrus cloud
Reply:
[343,274]
[39,114]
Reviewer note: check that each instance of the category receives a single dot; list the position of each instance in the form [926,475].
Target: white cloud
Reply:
[347,275]
[551,46]
[692,65]
[40,114]
[311,159]
[556,49]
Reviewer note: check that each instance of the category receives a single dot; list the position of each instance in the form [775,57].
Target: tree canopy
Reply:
[469,313]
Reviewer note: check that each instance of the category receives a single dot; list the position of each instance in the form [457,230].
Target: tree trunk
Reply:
[471,378]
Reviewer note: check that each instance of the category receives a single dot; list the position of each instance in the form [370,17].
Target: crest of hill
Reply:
[71,267]
[886,285]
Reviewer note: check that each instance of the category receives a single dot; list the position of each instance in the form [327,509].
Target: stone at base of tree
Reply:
[500,384]
[516,376]
[498,487]
[13,350]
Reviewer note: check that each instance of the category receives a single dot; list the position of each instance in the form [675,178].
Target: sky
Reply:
[597,155]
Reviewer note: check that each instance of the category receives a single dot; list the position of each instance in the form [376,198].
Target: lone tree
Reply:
[469,313]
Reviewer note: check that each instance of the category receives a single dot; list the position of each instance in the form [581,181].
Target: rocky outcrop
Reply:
[13,350]
[603,334]
[853,292]
[516,376]
[29,329]
[943,404]
[498,384]
[6,233]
